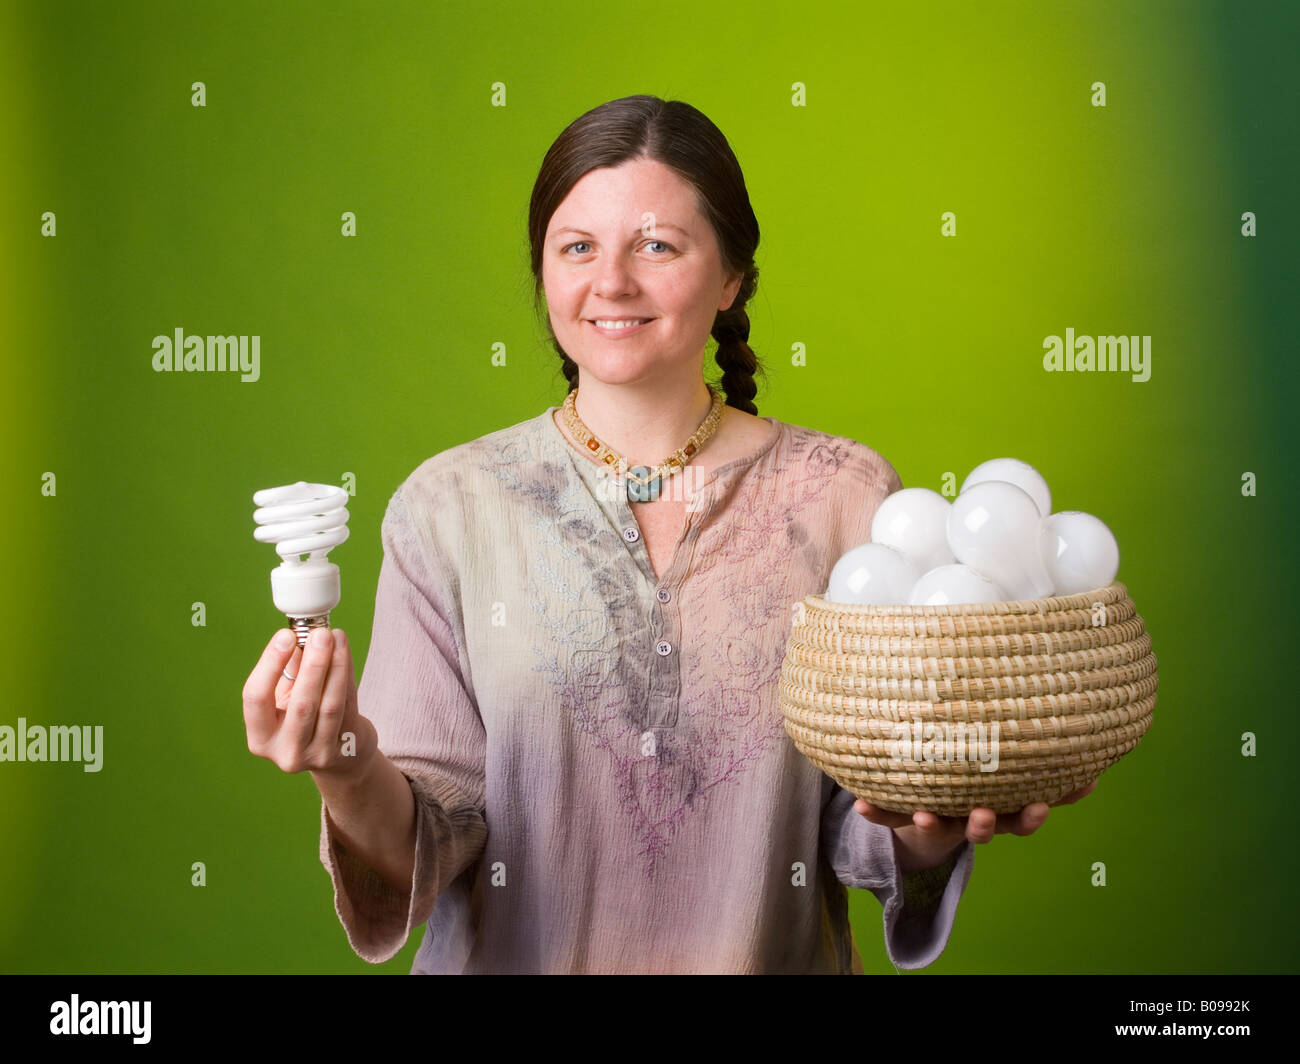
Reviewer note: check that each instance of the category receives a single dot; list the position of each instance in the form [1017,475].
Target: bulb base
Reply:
[305,589]
[302,626]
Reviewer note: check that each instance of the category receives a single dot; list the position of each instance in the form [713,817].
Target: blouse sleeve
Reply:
[919,908]
[413,691]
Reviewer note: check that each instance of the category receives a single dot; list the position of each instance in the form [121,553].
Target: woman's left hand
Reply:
[926,839]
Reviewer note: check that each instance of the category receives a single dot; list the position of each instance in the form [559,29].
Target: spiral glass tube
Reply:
[303,518]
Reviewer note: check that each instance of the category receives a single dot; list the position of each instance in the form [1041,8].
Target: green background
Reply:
[1121,219]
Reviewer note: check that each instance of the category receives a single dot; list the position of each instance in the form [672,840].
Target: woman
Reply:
[569,754]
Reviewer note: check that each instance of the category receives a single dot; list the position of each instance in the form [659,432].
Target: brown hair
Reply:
[680,137]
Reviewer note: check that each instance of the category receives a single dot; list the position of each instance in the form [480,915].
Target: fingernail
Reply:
[283,639]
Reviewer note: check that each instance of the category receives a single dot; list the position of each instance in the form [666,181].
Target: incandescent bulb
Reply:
[300,519]
[1013,471]
[915,521]
[872,575]
[1080,552]
[995,527]
[949,585]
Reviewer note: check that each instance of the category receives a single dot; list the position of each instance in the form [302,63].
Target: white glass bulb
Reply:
[1013,471]
[948,585]
[994,527]
[874,575]
[915,521]
[1080,552]
[300,519]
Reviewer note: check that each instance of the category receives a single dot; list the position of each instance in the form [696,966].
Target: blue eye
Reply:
[582,243]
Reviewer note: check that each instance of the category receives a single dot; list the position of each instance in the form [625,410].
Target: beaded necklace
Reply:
[643,483]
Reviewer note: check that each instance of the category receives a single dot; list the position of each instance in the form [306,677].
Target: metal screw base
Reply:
[302,626]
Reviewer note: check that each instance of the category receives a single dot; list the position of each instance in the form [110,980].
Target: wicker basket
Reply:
[951,708]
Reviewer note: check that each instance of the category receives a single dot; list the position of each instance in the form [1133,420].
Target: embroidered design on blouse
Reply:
[594,653]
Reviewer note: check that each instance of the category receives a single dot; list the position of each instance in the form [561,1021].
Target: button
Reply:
[662,594]
[631,534]
[663,647]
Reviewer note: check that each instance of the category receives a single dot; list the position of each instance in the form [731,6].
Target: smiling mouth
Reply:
[618,323]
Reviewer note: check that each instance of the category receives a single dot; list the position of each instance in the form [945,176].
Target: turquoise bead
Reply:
[642,492]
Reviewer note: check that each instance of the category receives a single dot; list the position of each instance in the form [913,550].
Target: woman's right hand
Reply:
[312,721]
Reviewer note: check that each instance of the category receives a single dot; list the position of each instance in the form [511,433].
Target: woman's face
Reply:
[629,242]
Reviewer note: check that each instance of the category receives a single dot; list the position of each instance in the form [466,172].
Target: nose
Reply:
[613,278]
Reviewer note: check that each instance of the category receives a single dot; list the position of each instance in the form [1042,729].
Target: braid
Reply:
[734,356]
[570,369]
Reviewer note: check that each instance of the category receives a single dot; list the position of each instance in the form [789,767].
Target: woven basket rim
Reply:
[1112,592]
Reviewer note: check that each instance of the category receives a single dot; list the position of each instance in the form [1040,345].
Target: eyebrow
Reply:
[658,225]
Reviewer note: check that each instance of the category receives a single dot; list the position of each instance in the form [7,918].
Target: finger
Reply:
[936,829]
[352,711]
[876,815]
[304,700]
[333,703]
[1025,822]
[981,825]
[260,690]
[933,824]
[287,676]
